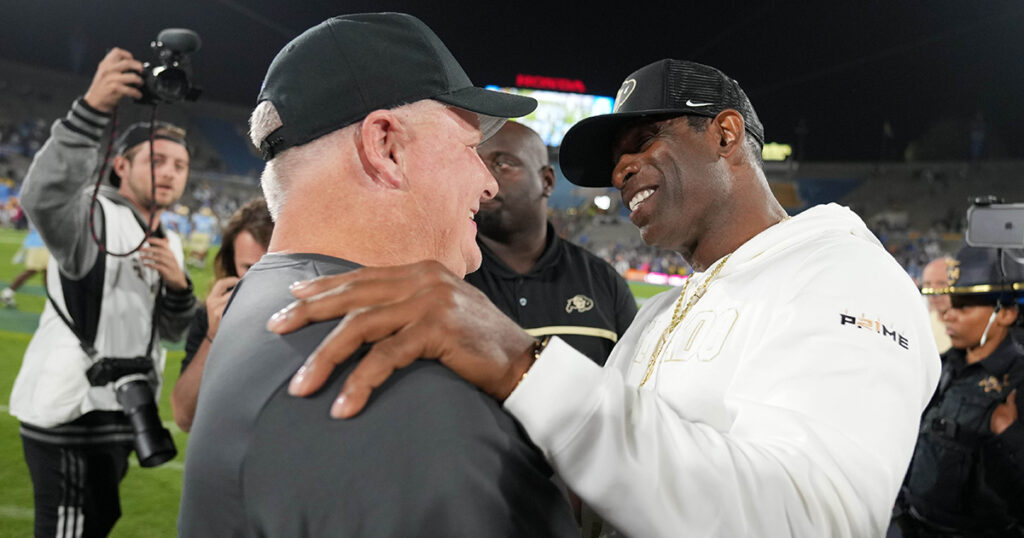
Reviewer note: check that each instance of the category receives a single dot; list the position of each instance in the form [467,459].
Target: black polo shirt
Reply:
[430,455]
[569,292]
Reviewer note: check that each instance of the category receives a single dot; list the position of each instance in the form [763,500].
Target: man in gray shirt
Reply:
[369,127]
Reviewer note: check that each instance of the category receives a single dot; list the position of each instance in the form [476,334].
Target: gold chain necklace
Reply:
[678,316]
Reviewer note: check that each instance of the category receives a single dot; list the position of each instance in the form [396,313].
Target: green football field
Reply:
[149,497]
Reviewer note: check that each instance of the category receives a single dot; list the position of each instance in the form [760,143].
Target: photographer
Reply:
[103,307]
[243,243]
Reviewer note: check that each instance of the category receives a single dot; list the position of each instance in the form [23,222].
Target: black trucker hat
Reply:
[138,133]
[340,70]
[663,89]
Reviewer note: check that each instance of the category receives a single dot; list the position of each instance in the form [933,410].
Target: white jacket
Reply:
[786,404]
[51,389]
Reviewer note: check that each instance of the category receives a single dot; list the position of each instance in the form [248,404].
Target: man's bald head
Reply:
[522,137]
[936,276]
[518,159]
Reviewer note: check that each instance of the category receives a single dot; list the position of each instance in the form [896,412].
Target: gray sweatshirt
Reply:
[56,197]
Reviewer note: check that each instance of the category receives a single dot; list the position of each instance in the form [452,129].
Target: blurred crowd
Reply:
[912,248]
[23,137]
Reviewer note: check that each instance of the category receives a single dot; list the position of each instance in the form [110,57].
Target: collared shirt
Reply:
[569,292]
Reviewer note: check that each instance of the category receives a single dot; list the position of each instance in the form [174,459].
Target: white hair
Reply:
[279,171]
[263,121]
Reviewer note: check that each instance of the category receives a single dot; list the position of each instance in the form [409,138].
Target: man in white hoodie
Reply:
[778,393]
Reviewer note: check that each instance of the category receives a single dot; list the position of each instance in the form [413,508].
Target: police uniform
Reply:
[957,455]
[569,293]
[965,480]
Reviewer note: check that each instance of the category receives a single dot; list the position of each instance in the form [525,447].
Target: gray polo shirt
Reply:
[430,455]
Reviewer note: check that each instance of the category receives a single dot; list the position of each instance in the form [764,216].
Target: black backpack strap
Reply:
[86,346]
[83,341]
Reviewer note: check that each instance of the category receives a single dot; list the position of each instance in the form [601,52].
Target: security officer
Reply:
[967,475]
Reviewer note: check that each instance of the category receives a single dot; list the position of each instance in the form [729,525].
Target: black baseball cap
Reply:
[340,70]
[140,132]
[983,276]
[663,89]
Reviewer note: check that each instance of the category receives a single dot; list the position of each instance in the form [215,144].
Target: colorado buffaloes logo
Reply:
[624,92]
[579,303]
[875,326]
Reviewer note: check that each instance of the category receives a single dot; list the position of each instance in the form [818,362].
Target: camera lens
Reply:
[170,84]
[167,80]
[153,443]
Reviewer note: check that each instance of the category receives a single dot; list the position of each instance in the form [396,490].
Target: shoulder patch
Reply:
[993,384]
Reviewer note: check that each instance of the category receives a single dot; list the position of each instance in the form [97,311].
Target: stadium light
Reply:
[774,151]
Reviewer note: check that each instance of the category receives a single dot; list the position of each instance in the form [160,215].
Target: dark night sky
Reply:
[844,68]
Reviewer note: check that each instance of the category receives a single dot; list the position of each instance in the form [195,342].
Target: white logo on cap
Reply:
[689,102]
[624,92]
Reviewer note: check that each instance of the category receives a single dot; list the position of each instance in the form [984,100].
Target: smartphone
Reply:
[995,225]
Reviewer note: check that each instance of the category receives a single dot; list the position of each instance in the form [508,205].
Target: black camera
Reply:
[153,443]
[170,80]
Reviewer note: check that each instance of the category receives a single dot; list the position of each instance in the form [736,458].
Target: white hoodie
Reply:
[786,403]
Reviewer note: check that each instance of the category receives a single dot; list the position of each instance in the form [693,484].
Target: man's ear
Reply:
[547,178]
[728,128]
[120,167]
[381,139]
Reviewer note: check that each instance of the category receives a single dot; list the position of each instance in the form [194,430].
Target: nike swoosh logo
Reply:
[691,103]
